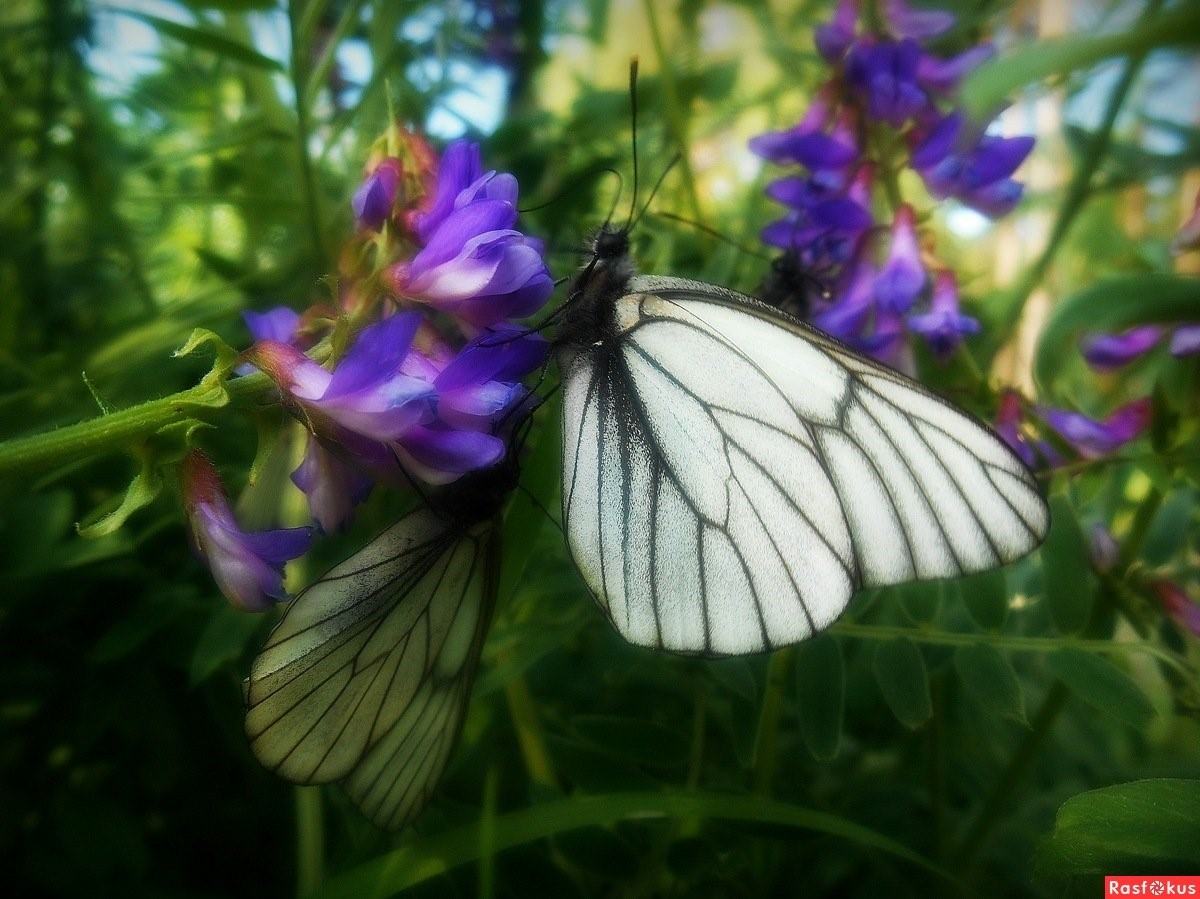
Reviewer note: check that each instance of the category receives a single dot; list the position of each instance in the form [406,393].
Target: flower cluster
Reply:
[887,103]
[431,383]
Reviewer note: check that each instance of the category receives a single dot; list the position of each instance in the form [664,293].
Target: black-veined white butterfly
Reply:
[731,476]
[367,677]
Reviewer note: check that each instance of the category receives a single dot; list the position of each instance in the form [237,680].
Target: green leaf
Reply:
[1110,305]
[206,39]
[987,88]
[986,597]
[1143,827]
[987,675]
[821,694]
[1101,684]
[1067,575]
[432,856]
[223,640]
[141,492]
[900,672]
[920,601]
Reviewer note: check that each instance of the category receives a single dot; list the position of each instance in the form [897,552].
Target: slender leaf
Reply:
[1101,684]
[900,672]
[1066,569]
[207,39]
[989,86]
[821,694]
[987,675]
[430,857]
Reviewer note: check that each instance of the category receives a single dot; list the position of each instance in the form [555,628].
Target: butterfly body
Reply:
[732,476]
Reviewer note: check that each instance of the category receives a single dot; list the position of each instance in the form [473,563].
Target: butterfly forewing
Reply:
[733,476]
[367,676]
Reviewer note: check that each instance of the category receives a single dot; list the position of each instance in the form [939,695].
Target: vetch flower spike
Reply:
[248,567]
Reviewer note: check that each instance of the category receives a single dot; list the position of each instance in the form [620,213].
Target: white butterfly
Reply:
[732,476]
[367,676]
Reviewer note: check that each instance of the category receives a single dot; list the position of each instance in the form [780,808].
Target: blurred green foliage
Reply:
[929,740]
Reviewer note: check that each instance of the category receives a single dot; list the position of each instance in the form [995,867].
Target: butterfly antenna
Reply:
[540,507]
[633,117]
[657,184]
[412,482]
[570,186]
[713,232]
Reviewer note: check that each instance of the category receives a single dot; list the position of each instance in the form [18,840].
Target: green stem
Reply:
[1079,191]
[310,841]
[937,766]
[529,733]
[766,737]
[1002,793]
[303,130]
[675,110]
[1003,641]
[119,430]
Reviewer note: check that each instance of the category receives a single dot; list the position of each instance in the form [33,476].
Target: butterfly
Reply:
[732,476]
[366,678]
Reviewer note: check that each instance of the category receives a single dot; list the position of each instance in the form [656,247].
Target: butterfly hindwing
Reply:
[367,676]
[733,476]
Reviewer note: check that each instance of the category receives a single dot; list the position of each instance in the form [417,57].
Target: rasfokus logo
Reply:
[1160,885]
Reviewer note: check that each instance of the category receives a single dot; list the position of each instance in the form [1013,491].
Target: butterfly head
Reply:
[790,286]
[611,244]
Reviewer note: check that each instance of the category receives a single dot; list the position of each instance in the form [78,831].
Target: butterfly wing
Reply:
[366,678]
[732,476]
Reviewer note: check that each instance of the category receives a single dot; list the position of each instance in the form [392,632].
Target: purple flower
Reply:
[1178,605]
[942,76]
[474,264]
[835,37]
[918,24]
[332,485]
[1186,340]
[483,383]
[809,145]
[943,326]
[902,277]
[376,197]
[279,324]
[978,176]
[1093,438]
[248,567]
[885,73]
[1008,426]
[1109,351]
[367,393]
